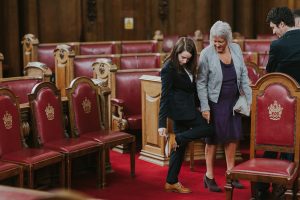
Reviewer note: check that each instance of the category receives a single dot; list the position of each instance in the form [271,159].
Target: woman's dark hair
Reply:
[184,44]
[281,14]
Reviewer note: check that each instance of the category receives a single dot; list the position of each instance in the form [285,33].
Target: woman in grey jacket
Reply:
[222,78]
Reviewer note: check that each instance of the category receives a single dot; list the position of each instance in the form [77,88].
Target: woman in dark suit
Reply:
[179,102]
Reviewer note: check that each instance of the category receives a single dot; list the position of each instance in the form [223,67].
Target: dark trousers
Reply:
[186,131]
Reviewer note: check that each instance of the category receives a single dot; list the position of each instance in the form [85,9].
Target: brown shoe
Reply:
[176,187]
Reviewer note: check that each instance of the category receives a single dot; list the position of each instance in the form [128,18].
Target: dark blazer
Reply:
[284,55]
[178,96]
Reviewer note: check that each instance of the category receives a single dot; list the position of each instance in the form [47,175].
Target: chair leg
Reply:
[20,178]
[102,166]
[132,158]
[99,167]
[69,171]
[229,190]
[30,178]
[191,147]
[62,173]
[288,194]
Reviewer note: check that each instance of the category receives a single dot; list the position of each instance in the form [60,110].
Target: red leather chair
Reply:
[254,45]
[13,144]
[49,132]
[253,72]
[275,126]
[85,114]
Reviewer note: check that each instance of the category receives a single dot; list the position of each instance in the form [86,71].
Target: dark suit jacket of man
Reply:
[178,96]
[284,55]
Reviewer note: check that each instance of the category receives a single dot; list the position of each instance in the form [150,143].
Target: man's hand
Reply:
[162,132]
[206,115]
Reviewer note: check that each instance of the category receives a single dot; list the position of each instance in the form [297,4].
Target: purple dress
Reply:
[228,128]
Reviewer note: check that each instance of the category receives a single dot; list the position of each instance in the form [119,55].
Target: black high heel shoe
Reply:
[211,184]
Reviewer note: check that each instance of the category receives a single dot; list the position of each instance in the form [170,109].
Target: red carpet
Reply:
[150,179]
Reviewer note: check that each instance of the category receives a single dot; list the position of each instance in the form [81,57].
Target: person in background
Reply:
[284,57]
[222,79]
[179,102]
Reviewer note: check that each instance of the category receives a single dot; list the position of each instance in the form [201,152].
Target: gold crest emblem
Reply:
[275,111]
[86,105]
[7,120]
[49,110]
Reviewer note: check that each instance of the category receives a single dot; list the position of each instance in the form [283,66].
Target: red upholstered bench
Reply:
[139,46]
[83,64]
[254,45]
[141,61]
[267,36]
[97,48]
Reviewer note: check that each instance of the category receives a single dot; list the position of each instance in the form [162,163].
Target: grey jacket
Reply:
[210,75]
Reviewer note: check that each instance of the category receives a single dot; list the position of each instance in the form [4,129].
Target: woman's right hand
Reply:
[162,132]
[206,115]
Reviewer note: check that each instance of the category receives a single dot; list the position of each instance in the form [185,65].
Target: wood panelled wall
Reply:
[96,20]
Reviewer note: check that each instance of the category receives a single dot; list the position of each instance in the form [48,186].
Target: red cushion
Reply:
[83,67]
[140,62]
[260,166]
[5,166]
[97,48]
[49,127]
[107,136]
[71,145]
[274,127]
[10,135]
[84,92]
[83,64]
[46,55]
[31,156]
[142,47]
